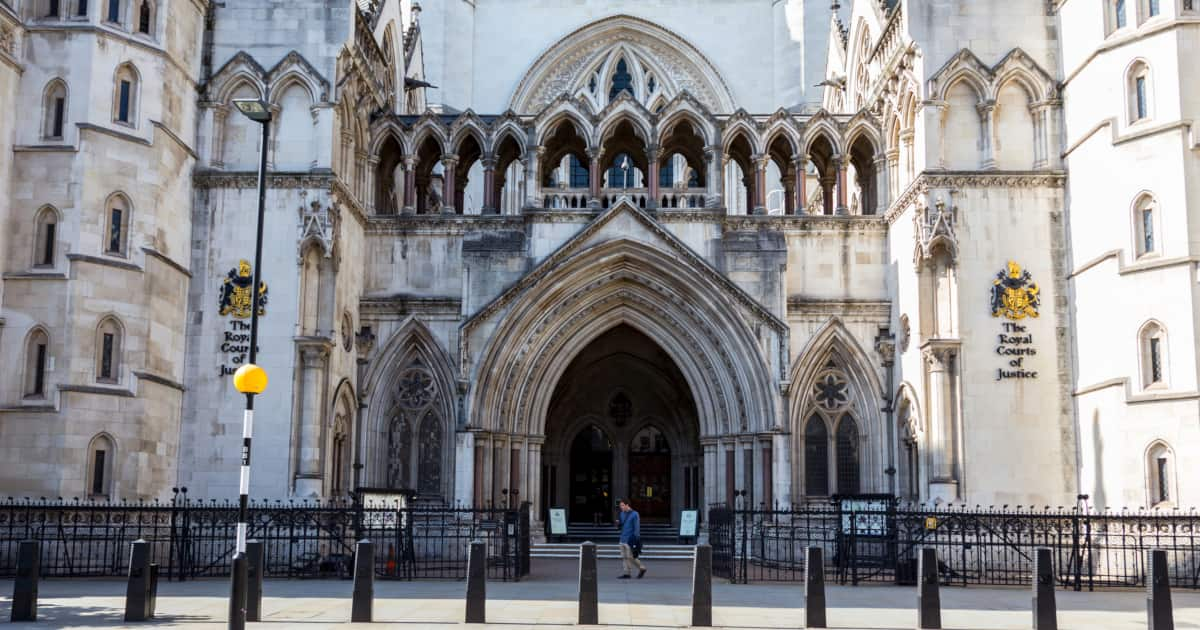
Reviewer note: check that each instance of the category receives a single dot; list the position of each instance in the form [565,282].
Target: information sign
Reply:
[558,522]
[687,523]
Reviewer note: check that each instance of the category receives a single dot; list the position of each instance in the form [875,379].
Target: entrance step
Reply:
[612,551]
[651,532]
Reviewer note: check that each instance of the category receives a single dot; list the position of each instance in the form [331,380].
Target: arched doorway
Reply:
[622,424]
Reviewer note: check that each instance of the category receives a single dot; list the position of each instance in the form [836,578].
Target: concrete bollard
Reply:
[929,600]
[702,586]
[477,583]
[25,588]
[589,598]
[255,570]
[1159,613]
[1045,609]
[364,582]
[138,588]
[814,588]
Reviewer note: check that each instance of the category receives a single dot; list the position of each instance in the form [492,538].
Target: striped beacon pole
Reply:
[250,379]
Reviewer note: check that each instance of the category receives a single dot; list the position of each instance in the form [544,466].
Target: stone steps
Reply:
[612,551]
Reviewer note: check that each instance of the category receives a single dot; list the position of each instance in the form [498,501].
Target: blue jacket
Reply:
[631,527]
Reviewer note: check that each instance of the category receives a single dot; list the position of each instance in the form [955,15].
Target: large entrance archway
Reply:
[622,422]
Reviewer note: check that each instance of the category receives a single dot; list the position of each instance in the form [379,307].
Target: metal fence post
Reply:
[929,601]
[25,587]
[702,586]
[814,588]
[589,599]
[1159,612]
[477,583]
[1045,611]
[364,582]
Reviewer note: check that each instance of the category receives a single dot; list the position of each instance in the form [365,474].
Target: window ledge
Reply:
[35,275]
[96,389]
[45,407]
[104,261]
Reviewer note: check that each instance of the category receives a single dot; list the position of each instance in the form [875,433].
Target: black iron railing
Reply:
[976,546]
[190,539]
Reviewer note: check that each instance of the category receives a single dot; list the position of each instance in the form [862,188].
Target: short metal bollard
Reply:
[138,588]
[25,588]
[477,583]
[814,588]
[702,586]
[153,588]
[589,598]
[929,600]
[254,580]
[1160,615]
[364,582]
[1045,609]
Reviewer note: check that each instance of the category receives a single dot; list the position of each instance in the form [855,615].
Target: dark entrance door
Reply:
[650,475]
[591,477]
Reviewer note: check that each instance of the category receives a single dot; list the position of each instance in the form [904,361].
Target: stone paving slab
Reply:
[547,600]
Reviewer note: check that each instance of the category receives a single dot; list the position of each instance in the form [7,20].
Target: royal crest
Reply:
[1014,294]
[236,295]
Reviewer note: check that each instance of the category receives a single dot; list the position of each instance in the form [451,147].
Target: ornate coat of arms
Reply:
[235,296]
[1014,294]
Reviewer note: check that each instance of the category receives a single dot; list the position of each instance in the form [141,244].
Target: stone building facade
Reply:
[763,251]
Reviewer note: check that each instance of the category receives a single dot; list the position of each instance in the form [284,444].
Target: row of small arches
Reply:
[125,100]
[108,350]
[47,238]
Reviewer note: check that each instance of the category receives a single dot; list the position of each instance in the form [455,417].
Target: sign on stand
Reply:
[558,522]
[687,524]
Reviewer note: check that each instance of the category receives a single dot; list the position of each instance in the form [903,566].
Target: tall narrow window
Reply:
[47,244]
[1160,473]
[46,236]
[125,95]
[54,104]
[123,102]
[1152,340]
[106,356]
[1152,7]
[622,81]
[117,217]
[1119,9]
[144,17]
[1140,88]
[1145,218]
[1147,230]
[847,456]
[81,7]
[578,176]
[816,457]
[114,11]
[36,357]
[101,457]
[108,351]
[1155,360]
[56,127]
[52,10]
[1139,91]
[98,457]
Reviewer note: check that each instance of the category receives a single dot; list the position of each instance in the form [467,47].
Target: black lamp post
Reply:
[250,379]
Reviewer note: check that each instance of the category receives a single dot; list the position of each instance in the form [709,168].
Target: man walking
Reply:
[631,538]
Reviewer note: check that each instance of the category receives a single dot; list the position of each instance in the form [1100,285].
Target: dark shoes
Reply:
[626,576]
[641,573]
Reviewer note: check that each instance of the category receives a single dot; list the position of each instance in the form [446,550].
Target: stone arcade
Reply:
[693,253]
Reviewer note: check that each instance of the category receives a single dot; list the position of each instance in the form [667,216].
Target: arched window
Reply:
[113,14]
[108,351]
[145,17]
[54,110]
[1116,18]
[429,478]
[116,217]
[622,80]
[1152,341]
[1160,474]
[125,95]
[1145,222]
[101,455]
[816,457]
[847,456]
[37,358]
[1140,92]
[45,237]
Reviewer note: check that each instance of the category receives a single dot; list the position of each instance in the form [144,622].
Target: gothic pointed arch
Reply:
[410,388]
[833,379]
[685,108]
[591,53]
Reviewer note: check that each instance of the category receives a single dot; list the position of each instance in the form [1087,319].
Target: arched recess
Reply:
[910,430]
[409,382]
[833,379]
[101,466]
[695,320]
[318,275]
[340,441]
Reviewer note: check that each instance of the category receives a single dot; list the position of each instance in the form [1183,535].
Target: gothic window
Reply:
[1153,344]
[399,452]
[416,389]
[116,217]
[46,237]
[1145,220]
[816,457]
[578,173]
[114,11]
[622,80]
[666,174]
[145,17]
[910,456]
[831,390]
[339,456]
[37,357]
[1116,15]
[125,95]
[1138,87]
[429,477]
[54,110]
[847,456]
[100,466]
[108,351]
[1159,475]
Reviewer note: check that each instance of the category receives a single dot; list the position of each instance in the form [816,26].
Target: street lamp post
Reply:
[250,379]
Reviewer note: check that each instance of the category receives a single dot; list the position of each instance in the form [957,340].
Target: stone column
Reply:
[464,467]
[842,165]
[483,446]
[593,178]
[1040,113]
[716,176]
[373,186]
[760,182]
[781,463]
[217,151]
[311,397]
[410,186]
[939,360]
[906,144]
[987,112]
[449,161]
[274,140]
[881,184]
[893,176]
[710,475]
[489,186]
[533,483]
[652,155]
[801,168]
[789,192]
[828,183]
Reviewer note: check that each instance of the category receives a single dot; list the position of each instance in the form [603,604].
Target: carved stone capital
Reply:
[940,354]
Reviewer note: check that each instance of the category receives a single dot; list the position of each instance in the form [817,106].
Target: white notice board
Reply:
[687,523]
[558,521]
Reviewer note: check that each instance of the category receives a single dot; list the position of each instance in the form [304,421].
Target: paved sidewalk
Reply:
[662,600]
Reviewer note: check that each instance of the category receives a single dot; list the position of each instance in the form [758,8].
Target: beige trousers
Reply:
[629,561]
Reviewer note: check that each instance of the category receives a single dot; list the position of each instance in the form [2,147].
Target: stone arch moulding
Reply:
[411,342]
[566,66]
[833,341]
[585,289]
